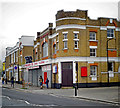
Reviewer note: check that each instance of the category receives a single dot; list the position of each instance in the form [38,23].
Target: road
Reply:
[12,97]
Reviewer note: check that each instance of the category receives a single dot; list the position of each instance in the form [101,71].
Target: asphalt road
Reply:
[12,97]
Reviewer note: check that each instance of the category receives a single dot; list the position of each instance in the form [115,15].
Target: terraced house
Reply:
[78,51]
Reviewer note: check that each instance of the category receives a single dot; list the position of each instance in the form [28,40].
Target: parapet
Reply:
[78,13]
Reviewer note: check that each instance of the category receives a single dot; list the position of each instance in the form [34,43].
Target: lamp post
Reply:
[107,58]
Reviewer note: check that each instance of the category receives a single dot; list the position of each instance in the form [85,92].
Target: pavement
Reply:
[102,94]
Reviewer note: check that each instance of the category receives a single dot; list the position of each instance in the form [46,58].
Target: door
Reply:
[67,74]
[45,77]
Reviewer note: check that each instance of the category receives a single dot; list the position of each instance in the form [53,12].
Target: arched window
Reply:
[45,49]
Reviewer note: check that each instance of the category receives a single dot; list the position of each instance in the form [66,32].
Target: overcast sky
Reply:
[18,17]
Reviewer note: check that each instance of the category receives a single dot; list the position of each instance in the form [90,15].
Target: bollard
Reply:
[75,91]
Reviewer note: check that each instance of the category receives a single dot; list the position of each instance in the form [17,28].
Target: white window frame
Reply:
[93,69]
[92,52]
[65,45]
[16,56]
[110,33]
[75,44]
[91,34]
[75,35]
[65,35]
[45,49]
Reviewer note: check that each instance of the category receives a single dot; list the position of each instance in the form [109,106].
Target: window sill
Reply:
[93,40]
[65,48]
[76,39]
[92,56]
[76,48]
[65,39]
[111,37]
[93,76]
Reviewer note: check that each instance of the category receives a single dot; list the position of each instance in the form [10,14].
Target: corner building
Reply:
[81,51]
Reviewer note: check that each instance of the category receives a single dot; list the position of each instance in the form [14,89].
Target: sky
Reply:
[27,17]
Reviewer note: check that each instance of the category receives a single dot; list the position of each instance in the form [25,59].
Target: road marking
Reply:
[7,97]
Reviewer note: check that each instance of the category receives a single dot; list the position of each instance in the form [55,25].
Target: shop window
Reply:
[92,36]
[93,70]
[45,49]
[92,52]
[110,33]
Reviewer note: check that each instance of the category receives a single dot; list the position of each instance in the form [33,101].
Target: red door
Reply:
[45,77]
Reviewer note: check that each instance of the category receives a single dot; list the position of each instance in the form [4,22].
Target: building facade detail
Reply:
[78,51]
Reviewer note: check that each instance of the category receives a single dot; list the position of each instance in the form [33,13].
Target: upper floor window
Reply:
[75,36]
[110,33]
[54,49]
[65,44]
[92,36]
[65,36]
[45,49]
[92,52]
[76,44]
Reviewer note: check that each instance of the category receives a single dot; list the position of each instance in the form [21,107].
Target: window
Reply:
[92,36]
[110,33]
[92,52]
[76,44]
[57,42]
[14,57]
[17,56]
[65,36]
[75,36]
[110,66]
[45,50]
[65,44]
[54,49]
[93,70]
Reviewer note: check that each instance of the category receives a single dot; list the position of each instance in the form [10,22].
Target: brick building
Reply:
[78,51]
[15,57]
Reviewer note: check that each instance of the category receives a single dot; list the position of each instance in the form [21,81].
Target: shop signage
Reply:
[55,69]
[35,64]
[94,78]
[34,67]
[111,74]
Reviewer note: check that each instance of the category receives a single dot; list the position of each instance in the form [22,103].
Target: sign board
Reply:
[55,69]
[15,67]
[111,74]
[94,78]
[3,66]
[83,71]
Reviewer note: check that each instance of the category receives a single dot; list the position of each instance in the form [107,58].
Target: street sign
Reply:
[15,67]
